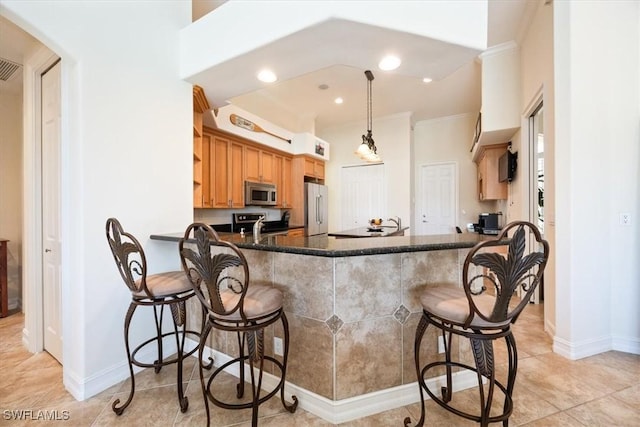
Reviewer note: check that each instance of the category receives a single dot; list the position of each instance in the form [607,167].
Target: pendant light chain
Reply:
[369,108]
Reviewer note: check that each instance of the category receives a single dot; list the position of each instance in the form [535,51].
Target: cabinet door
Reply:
[252,164]
[489,188]
[267,162]
[482,183]
[296,232]
[313,168]
[277,162]
[285,188]
[309,167]
[236,175]
[319,169]
[220,173]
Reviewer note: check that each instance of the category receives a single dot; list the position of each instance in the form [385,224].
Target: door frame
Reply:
[526,161]
[33,332]
[524,156]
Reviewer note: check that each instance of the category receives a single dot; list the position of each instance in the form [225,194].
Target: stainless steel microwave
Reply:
[259,194]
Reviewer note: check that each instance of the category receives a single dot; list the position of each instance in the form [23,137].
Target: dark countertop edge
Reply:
[335,253]
[341,253]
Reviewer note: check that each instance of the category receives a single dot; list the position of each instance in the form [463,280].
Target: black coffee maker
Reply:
[489,223]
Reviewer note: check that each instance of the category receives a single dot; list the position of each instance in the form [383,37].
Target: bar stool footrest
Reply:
[444,404]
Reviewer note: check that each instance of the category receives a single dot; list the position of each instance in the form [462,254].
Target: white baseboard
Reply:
[345,410]
[626,344]
[549,328]
[84,388]
[579,350]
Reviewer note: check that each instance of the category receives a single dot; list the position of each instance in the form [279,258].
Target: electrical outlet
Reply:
[440,344]
[625,218]
[277,346]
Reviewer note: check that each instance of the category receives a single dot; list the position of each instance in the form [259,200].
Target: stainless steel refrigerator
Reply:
[315,205]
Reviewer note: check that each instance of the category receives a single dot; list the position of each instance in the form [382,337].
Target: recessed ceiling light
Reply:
[427,80]
[338,100]
[267,76]
[389,63]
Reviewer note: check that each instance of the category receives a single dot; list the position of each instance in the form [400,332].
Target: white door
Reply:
[437,199]
[536,190]
[51,277]
[363,195]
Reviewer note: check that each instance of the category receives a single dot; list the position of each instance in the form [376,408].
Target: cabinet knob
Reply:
[47,250]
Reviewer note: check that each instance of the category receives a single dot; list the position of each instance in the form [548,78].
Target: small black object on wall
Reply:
[507,165]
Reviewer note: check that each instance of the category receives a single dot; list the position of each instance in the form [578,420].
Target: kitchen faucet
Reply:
[397,221]
[257,227]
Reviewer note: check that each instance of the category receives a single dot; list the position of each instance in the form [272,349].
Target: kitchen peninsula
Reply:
[353,306]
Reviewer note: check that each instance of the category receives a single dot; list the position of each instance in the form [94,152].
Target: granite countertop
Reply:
[323,245]
[384,231]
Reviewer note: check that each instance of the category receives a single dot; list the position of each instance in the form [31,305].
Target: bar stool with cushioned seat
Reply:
[170,289]
[220,279]
[483,311]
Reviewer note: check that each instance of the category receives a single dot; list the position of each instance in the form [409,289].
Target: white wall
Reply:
[448,139]
[392,136]
[11,190]
[536,53]
[597,157]
[126,152]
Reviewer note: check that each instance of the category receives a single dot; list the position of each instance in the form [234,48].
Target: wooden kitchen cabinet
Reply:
[205,166]
[303,169]
[313,168]
[489,188]
[296,232]
[282,172]
[230,160]
[200,105]
[286,183]
[226,173]
[260,165]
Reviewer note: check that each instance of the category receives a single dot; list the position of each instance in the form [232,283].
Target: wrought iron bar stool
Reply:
[221,282]
[483,311]
[170,289]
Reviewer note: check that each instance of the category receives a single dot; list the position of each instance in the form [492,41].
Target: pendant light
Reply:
[367,150]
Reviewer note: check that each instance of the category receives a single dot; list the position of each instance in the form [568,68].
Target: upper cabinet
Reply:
[229,160]
[200,105]
[225,179]
[303,169]
[499,118]
[285,186]
[489,186]
[313,168]
[260,165]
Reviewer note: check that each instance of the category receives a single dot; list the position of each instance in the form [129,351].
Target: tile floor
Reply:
[602,390]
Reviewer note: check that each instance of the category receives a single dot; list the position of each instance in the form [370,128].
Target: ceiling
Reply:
[400,91]
[301,97]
